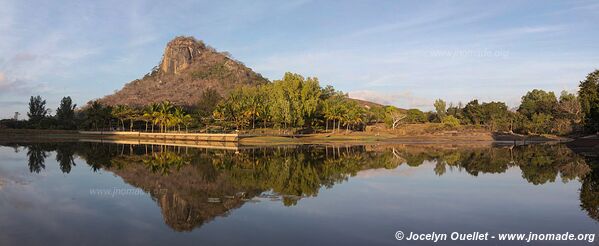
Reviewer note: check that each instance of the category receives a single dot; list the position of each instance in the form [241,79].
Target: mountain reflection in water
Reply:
[193,186]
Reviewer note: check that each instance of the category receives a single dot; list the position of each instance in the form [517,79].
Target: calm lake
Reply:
[85,193]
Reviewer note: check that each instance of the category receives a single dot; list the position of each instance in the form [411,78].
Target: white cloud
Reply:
[519,32]
[400,99]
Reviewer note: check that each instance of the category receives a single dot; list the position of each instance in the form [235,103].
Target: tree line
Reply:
[540,112]
[302,104]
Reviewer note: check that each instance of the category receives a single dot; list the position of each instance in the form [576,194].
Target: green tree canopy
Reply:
[96,115]
[294,100]
[588,94]
[415,116]
[538,102]
[440,108]
[473,112]
[210,98]
[37,109]
[65,113]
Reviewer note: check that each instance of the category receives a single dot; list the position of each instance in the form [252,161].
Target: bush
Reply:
[217,71]
[450,121]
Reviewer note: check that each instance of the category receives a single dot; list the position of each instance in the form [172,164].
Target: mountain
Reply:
[187,69]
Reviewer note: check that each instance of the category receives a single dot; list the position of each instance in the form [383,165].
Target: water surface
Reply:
[81,193]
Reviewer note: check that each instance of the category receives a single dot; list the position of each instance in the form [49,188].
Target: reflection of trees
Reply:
[186,182]
[37,158]
[589,191]
[64,156]
[38,152]
[98,155]
[539,163]
[197,177]
[163,162]
[589,194]
[301,171]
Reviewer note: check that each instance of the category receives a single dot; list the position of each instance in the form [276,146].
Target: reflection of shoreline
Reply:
[178,143]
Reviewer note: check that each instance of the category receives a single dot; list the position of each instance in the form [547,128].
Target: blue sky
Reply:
[405,53]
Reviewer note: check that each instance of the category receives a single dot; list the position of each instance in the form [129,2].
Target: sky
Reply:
[402,53]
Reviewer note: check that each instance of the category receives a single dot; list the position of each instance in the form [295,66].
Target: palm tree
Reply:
[187,120]
[156,120]
[133,114]
[149,113]
[177,117]
[121,112]
[163,115]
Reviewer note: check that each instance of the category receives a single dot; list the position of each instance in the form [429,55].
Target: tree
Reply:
[37,110]
[294,100]
[65,113]
[96,115]
[456,111]
[178,117]
[568,113]
[133,114]
[121,113]
[473,112]
[588,94]
[539,123]
[333,110]
[538,108]
[495,115]
[538,102]
[440,108]
[354,114]
[163,116]
[187,120]
[375,114]
[310,99]
[415,116]
[262,105]
[235,108]
[210,98]
[255,101]
[394,116]
[569,107]
[149,114]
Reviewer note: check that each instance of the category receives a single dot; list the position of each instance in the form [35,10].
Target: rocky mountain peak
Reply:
[187,69]
[180,53]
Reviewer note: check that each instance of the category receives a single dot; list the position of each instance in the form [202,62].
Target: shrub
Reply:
[450,121]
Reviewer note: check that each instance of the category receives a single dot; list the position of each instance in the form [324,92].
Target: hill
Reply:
[187,69]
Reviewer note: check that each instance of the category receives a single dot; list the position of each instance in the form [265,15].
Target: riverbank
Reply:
[451,137]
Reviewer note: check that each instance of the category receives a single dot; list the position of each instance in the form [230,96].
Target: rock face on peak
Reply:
[187,69]
[179,54]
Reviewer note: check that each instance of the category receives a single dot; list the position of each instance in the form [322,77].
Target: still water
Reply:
[81,193]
